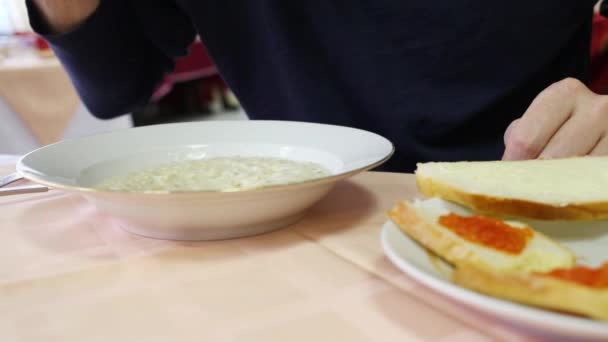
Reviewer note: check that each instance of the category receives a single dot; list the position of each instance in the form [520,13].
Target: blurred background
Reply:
[38,104]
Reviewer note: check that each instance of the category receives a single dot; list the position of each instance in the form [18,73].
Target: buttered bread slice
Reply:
[581,290]
[461,237]
[570,188]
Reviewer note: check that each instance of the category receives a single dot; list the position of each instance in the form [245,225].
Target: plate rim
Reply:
[537,319]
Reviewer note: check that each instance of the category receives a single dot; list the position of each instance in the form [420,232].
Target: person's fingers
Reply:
[547,113]
[579,135]
[601,148]
[509,130]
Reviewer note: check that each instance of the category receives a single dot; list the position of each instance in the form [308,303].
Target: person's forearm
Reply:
[64,15]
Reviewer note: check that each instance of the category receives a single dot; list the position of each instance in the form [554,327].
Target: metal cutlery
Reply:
[18,190]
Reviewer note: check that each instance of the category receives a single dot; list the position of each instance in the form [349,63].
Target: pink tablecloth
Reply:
[70,274]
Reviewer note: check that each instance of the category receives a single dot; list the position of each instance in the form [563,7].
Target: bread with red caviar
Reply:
[547,290]
[529,252]
[569,188]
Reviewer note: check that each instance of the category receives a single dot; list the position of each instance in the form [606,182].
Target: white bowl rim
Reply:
[30,174]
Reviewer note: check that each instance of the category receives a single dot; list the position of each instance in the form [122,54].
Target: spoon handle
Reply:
[18,190]
[13,177]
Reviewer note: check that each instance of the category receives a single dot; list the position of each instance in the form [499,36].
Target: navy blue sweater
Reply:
[441,79]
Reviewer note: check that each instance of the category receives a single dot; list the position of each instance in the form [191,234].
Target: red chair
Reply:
[599,55]
[198,65]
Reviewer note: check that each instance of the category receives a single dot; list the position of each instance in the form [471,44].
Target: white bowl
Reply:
[78,165]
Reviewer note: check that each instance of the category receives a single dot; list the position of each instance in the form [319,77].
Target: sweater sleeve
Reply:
[117,56]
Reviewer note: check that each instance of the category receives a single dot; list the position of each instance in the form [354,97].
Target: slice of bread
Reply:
[419,219]
[535,289]
[572,188]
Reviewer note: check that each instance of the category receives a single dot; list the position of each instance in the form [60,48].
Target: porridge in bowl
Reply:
[217,174]
[165,205]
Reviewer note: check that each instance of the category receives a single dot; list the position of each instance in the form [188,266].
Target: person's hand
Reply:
[566,119]
[64,15]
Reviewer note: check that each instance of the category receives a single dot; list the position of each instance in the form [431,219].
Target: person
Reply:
[450,80]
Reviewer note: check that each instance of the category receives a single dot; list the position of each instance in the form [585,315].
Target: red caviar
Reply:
[488,232]
[583,275]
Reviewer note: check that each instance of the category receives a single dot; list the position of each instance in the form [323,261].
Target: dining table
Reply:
[39,90]
[39,105]
[70,273]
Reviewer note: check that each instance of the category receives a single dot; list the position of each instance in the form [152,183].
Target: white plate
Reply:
[79,165]
[589,240]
